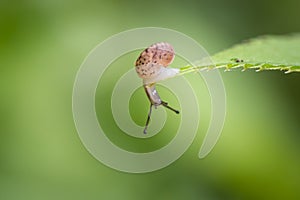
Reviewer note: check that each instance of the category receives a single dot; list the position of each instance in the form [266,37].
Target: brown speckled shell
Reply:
[151,59]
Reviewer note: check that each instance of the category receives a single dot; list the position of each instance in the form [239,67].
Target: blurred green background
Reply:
[42,45]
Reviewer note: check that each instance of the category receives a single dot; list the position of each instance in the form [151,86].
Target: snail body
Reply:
[152,94]
[152,66]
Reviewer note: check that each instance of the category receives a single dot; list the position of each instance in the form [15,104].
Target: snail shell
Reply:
[152,59]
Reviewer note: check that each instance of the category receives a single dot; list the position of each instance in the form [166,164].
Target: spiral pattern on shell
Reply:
[151,60]
[96,118]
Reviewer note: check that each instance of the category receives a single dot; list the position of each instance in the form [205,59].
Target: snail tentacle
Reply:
[148,119]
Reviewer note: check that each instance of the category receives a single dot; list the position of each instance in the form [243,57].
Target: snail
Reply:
[152,66]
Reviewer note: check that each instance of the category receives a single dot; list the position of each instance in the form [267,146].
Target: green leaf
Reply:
[263,53]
